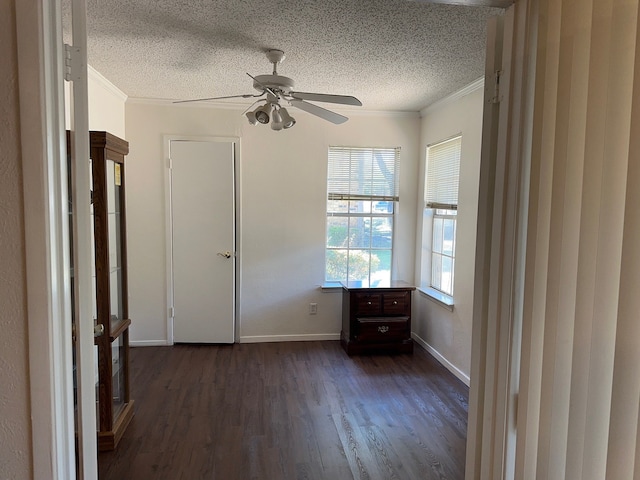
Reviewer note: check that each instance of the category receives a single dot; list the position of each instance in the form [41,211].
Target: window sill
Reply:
[442,299]
[331,287]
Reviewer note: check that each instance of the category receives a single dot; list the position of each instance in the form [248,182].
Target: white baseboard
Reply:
[148,343]
[290,338]
[318,337]
[463,377]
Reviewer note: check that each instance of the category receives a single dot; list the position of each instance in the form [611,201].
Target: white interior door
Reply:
[203,239]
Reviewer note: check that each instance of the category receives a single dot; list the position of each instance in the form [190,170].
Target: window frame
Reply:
[357,199]
[443,215]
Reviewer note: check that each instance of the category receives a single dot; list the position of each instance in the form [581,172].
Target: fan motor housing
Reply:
[275,82]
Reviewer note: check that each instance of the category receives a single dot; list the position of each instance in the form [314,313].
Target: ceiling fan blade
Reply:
[318,111]
[322,97]
[246,95]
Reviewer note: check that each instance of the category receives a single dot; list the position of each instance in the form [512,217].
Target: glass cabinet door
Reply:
[115,407]
[114,194]
[118,355]
[119,393]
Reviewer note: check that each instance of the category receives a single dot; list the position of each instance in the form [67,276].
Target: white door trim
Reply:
[500,249]
[40,61]
[167,139]
[87,454]
[44,153]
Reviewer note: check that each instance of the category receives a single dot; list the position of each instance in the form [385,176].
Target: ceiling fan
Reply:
[277,89]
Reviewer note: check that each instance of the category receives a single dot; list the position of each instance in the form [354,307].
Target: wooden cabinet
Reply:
[376,319]
[115,407]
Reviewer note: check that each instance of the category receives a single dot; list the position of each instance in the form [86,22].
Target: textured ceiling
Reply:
[398,55]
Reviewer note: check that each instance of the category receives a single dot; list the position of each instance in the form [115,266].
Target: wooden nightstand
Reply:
[376,318]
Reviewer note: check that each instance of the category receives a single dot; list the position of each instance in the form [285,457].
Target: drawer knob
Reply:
[368,303]
[395,302]
[383,329]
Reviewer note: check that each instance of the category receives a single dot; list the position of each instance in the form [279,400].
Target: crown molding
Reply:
[96,76]
[464,91]
[381,113]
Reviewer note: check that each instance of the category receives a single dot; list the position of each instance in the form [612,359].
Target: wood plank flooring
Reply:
[296,410]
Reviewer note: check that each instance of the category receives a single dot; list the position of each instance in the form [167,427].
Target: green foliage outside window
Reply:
[359,263]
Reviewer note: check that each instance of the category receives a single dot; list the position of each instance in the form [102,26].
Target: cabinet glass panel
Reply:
[117,372]
[114,187]
[94,292]
[94,280]
[97,381]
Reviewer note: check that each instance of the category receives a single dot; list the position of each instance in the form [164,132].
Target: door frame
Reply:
[501,245]
[82,225]
[49,335]
[167,139]
[41,69]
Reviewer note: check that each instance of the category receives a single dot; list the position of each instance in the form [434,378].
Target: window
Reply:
[362,188]
[441,204]
[443,248]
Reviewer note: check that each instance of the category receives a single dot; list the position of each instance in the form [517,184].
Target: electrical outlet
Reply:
[313,308]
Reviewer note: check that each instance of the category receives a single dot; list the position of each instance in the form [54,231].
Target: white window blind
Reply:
[363,173]
[443,174]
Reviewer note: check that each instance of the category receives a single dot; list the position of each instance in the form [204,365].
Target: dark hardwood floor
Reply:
[296,410]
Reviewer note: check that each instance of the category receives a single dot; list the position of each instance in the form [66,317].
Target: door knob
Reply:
[225,254]
[98,330]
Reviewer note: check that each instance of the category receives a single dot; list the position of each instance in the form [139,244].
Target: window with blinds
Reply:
[441,196]
[443,174]
[362,188]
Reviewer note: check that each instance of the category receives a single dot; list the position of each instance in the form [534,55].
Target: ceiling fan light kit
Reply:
[251,116]
[281,119]
[287,120]
[277,89]
[263,113]
[276,124]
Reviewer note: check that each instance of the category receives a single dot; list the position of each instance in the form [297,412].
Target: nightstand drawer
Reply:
[368,304]
[381,329]
[396,303]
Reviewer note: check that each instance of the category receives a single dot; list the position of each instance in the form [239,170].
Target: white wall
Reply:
[106,104]
[446,333]
[282,185]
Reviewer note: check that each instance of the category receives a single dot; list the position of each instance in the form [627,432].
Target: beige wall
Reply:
[15,424]
[282,184]
[448,333]
[106,104]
